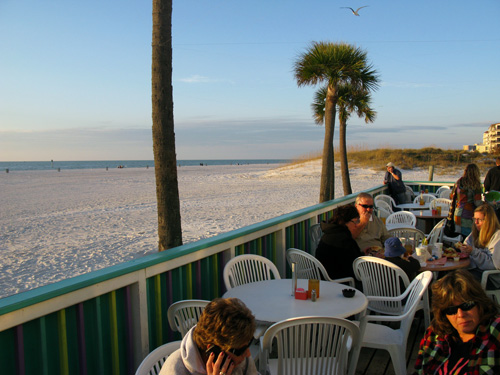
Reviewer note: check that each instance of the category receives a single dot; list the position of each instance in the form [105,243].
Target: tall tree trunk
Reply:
[167,189]
[327,187]
[344,167]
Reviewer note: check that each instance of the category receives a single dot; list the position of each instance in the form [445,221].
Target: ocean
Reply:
[103,164]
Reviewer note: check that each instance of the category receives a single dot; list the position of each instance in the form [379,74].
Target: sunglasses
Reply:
[367,206]
[466,306]
[240,351]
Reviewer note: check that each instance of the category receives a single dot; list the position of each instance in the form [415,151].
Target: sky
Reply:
[75,76]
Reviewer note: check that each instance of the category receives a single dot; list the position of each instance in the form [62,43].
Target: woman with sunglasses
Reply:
[218,344]
[464,336]
[483,244]
[337,248]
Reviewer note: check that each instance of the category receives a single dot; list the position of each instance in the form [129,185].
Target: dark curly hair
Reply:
[457,287]
[225,322]
[343,214]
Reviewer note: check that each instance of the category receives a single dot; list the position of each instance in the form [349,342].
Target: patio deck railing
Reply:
[106,321]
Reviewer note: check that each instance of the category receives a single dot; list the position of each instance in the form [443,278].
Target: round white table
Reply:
[272,301]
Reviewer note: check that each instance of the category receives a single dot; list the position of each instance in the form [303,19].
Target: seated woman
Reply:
[464,335]
[483,244]
[395,253]
[337,249]
[218,344]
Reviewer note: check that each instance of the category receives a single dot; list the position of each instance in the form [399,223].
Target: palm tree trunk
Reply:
[327,187]
[344,167]
[167,189]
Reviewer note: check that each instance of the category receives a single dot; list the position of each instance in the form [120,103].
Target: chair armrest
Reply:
[348,280]
[486,274]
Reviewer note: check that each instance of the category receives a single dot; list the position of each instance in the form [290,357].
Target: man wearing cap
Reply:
[394,181]
[371,232]
[395,253]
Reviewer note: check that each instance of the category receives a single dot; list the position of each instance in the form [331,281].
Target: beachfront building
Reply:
[491,140]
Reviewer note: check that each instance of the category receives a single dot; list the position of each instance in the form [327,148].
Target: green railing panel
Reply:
[8,351]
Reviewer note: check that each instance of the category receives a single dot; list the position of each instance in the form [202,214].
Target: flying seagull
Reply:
[355,12]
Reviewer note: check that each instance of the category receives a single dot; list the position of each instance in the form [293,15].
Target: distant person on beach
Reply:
[468,196]
[337,248]
[370,233]
[492,179]
[218,344]
[463,337]
[394,181]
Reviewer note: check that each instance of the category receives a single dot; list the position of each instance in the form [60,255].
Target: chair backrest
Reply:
[402,217]
[151,365]
[427,198]
[416,291]
[312,345]
[443,202]
[410,193]
[183,315]
[380,277]
[306,266]
[248,268]
[381,204]
[445,193]
[386,198]
[411,236]
[442,188]
[436,234]
[383,213]
[315,234]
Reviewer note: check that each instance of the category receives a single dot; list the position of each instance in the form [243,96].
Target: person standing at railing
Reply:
[492,179]
[394,181]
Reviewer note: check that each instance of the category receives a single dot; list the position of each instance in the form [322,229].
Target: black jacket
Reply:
[492,179]
[337,250]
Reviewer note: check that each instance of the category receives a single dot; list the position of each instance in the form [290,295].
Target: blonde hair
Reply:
[489,227]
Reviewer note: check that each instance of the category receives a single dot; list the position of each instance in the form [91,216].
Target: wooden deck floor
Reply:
[378,362]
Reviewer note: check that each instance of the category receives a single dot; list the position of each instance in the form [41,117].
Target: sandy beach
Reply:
[55,225]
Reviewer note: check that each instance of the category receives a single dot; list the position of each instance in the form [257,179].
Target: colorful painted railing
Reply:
[106,321]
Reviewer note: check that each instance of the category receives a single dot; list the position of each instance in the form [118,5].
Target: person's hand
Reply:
[222,366]
[466,249]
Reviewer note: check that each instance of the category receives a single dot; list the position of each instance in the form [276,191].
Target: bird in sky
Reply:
[355,12]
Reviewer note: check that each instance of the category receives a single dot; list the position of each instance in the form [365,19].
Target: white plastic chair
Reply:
[443,202]
[315,233]
[183,315]
[410,194]
[436,234]
[441,189]
[408,235]
[308,267]
[427,198]
[383,205]
[311,345]
[248,268]
[151,365]
[494,293]
[381,278]
[402,217]
[446,193]
[379,336]
[385,198]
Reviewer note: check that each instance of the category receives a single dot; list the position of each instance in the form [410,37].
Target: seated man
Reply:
[371,231]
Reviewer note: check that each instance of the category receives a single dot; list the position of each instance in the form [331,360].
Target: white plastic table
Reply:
[272,301]
[413,206]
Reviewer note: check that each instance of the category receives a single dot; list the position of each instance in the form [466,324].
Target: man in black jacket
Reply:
[492,179]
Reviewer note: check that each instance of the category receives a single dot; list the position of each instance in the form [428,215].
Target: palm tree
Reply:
[350,100]
[333,64]
[167,189]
